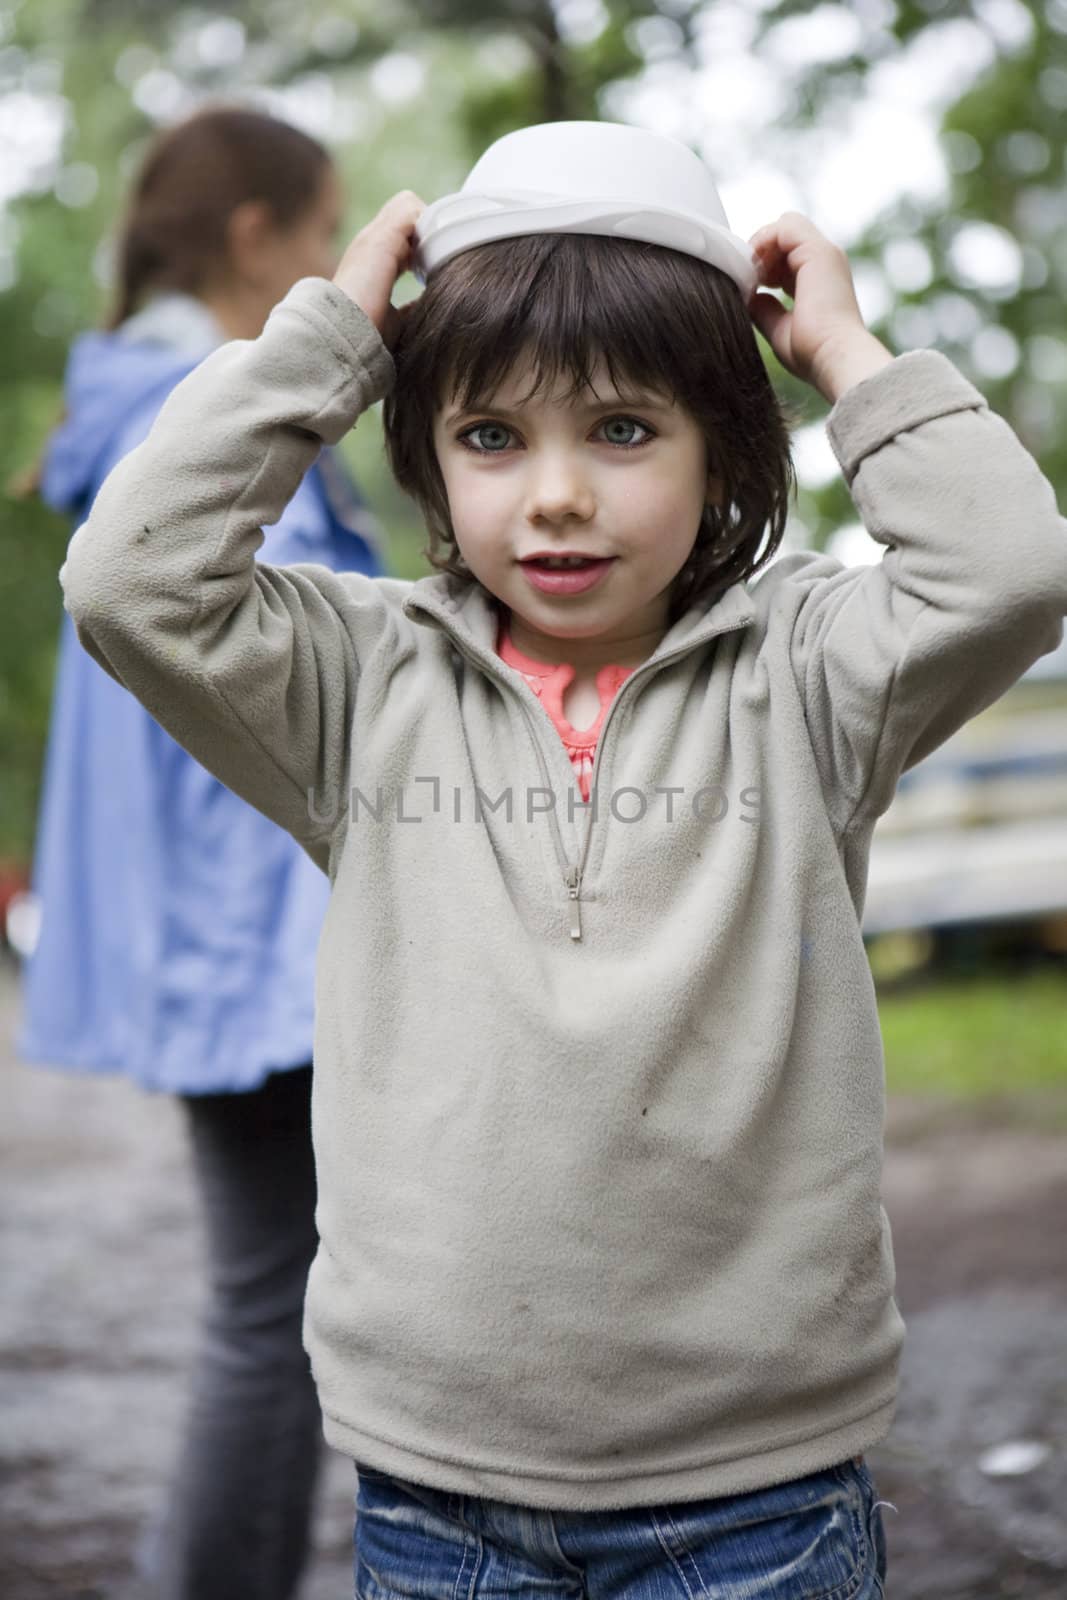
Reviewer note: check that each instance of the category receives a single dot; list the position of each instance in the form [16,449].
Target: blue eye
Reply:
[493,442]
[624,439]
[493,439]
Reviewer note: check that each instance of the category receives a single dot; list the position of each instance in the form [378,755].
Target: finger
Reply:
[767,314]
[788,233]
[776,271]
[405,204]
[790,243]
[790,229]
[766,252]
[397,217]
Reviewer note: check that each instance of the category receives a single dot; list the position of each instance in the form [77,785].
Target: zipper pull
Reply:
[572,878]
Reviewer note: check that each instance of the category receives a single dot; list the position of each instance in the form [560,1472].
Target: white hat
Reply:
[586,177]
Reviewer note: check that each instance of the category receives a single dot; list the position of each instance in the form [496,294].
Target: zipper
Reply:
[574,871]
[573,879]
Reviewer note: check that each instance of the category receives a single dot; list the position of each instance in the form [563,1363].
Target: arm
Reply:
[892,659]
[253,669]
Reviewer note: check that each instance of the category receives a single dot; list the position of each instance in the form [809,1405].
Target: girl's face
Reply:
[617,477]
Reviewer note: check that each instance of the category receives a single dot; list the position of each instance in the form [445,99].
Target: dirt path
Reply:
[98,1258]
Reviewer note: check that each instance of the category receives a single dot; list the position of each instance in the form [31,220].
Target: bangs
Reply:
[555,307]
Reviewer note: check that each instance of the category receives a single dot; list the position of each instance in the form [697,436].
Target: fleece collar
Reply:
[462,609]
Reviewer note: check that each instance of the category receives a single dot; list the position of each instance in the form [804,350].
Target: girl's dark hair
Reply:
[659,319]
[192,178]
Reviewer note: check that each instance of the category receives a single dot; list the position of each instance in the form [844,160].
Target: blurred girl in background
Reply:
[178,925]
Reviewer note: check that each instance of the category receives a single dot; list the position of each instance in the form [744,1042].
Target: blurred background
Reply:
[928,139]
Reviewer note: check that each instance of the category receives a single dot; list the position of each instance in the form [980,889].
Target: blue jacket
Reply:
[179,926]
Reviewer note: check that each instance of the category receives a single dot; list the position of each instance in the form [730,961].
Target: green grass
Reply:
[973,1038]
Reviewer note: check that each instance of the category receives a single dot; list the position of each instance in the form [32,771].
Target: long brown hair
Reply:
[193,177]
[195,173]
[659,318]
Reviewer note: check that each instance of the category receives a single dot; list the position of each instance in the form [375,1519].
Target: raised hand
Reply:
[823,339]
[379,254]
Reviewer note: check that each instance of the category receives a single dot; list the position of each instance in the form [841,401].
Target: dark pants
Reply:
[240,1510]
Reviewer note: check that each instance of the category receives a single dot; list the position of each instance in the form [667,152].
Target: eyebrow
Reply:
[646,402]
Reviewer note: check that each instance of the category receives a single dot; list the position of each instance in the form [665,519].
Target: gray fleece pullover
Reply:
[598,1090]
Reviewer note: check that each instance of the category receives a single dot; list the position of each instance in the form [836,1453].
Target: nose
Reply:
[559,488]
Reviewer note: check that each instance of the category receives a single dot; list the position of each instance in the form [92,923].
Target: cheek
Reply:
[671,504]
[477,502]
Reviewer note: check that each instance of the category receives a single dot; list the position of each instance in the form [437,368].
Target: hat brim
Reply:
[459,222]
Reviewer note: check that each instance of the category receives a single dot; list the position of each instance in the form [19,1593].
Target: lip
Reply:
[563,581]
[563,555]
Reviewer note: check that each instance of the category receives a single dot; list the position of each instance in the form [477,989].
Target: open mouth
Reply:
[567,575]
[563,563]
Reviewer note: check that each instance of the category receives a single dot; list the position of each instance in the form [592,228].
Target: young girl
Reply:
[178,924]
[602,1304]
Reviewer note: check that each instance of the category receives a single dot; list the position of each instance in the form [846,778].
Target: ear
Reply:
[714,494]
[249,232]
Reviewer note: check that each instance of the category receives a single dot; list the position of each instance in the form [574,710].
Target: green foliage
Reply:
[1005,144]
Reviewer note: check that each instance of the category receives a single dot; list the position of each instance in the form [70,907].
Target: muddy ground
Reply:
[99,1265]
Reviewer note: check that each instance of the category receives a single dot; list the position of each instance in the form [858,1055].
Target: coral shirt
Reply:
[550,682]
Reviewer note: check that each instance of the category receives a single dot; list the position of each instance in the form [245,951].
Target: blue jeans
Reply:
[815,1538]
